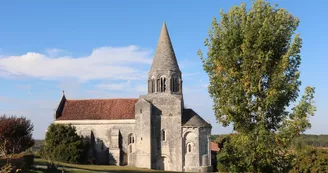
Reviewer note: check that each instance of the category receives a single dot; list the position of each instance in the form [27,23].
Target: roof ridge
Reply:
[102,99]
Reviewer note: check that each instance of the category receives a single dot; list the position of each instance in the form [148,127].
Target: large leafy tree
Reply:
[253,64]
[63,144]
[15,135]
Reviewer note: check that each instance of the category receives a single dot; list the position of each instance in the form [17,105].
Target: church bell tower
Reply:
[165,75]
[165,96]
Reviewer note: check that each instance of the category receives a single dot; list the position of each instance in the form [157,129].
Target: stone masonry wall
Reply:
[191,149]
[196,151]
[102,130]
[166,115]
[204,149]
[143,134]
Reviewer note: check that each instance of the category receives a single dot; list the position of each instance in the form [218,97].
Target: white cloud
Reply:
[191,75]
[140,87]
[110,72]
[26,88]
[114,86]
[103,63]
[53,52]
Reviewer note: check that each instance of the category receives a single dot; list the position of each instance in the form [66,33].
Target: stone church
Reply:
[153,131]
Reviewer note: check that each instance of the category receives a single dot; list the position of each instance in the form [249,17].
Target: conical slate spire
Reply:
[164,56]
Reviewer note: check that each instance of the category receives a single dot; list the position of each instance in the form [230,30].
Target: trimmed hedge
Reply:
[28,161]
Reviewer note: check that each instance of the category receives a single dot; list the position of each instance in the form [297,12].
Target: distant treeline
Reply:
[314,140]
[311,140]
[38,144]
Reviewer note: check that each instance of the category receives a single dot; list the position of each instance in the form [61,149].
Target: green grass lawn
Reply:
[59,171]
[90,168]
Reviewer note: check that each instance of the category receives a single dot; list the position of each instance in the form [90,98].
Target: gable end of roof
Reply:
[191,119]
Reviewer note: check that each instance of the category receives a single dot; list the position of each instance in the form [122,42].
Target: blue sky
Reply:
[103,49]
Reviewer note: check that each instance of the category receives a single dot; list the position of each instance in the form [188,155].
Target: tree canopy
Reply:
[253,62]
[311,160]
[320,141]
[15,135]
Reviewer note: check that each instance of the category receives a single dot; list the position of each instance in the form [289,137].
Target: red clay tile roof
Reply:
[98,109]
[214,147]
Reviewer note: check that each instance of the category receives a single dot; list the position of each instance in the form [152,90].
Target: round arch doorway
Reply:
[163,163]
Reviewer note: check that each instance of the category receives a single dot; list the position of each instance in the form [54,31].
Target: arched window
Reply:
[189,149]
[101,143]
[164,85]
[163,135]
[131,139]
[131,142]
[161,84]
[153,85]
[175,84]
[158,85]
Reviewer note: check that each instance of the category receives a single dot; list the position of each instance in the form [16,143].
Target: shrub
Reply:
[7,168]
[63,144]
[28,161]
[16,162]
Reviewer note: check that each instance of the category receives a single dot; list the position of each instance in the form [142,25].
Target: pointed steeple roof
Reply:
[164,56]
